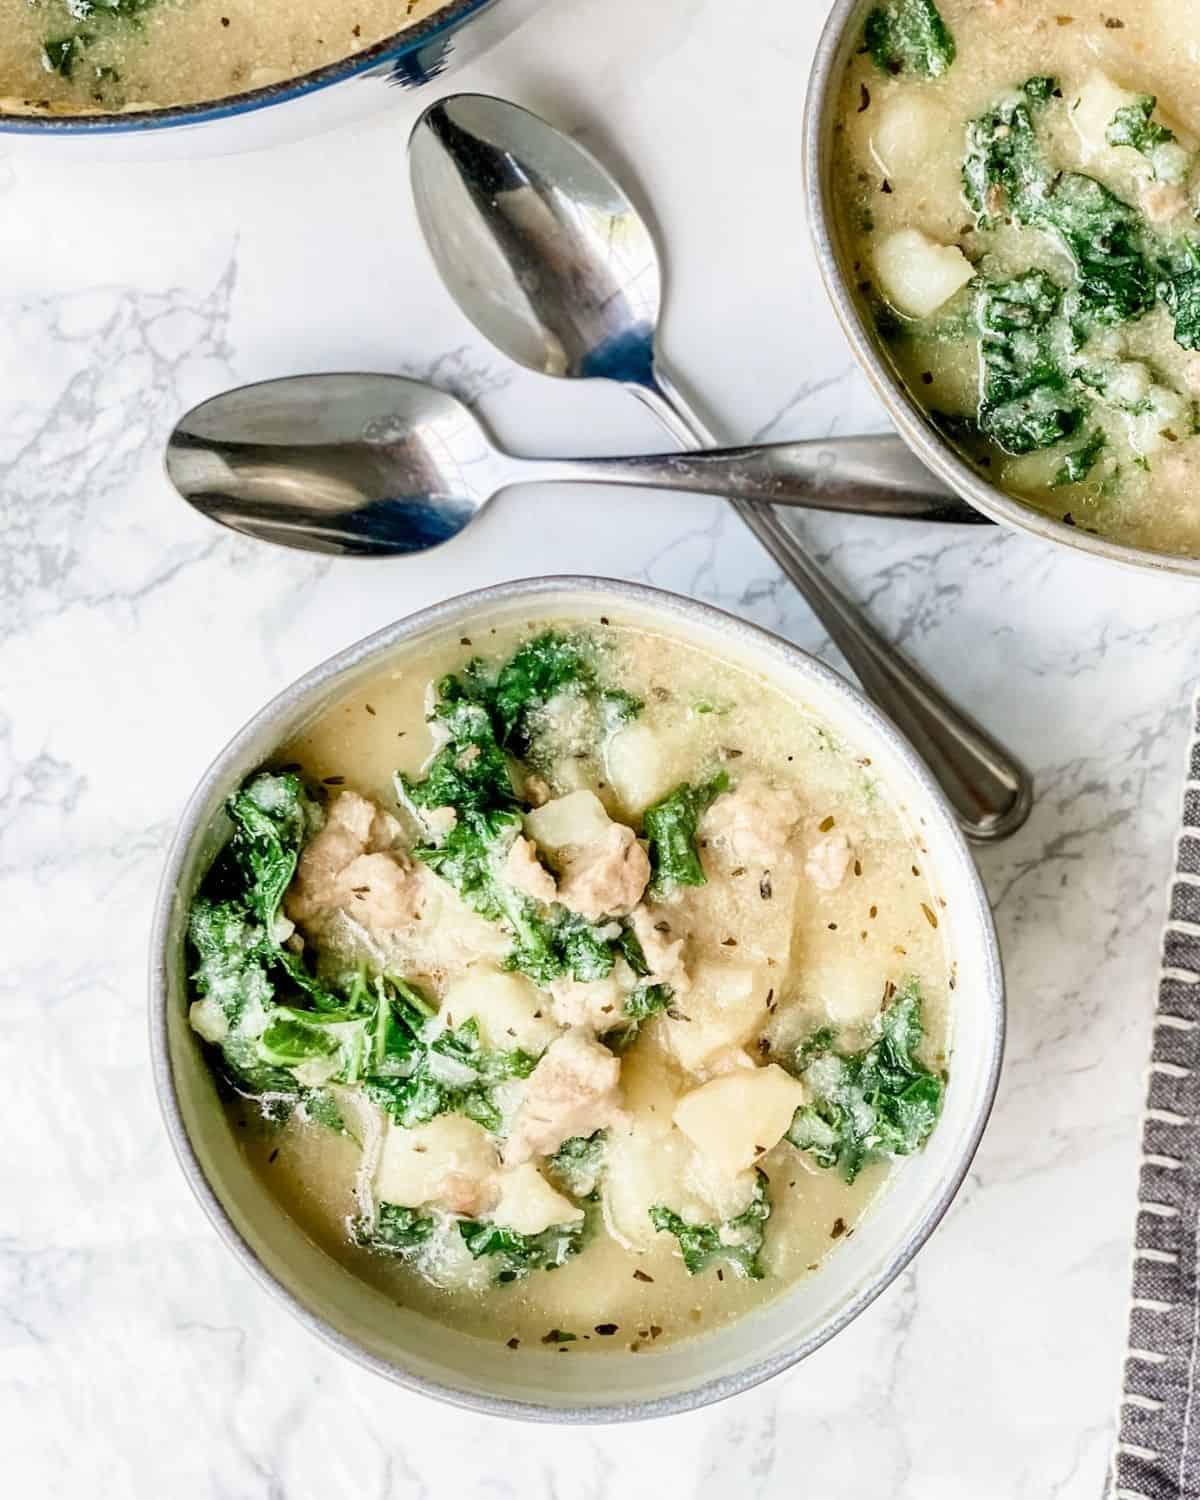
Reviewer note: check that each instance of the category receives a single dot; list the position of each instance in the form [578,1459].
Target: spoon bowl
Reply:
[537,243]
[355,465]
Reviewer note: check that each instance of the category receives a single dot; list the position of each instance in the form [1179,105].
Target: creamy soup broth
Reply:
[1124,458]
[73,56]
[821,908]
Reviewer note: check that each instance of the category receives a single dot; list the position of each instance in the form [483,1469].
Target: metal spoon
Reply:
[551,261]
[380,465]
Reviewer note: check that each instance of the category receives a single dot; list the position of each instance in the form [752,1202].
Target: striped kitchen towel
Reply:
[1158,1452]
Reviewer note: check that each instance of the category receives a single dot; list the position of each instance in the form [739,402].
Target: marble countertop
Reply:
[136,1358]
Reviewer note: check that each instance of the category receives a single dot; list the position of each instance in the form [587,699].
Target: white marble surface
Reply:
[136,1358]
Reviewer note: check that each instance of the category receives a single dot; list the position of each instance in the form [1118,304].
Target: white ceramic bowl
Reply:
[423,1356]
[840,39]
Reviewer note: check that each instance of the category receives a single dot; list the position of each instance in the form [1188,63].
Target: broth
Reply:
[1043,307]
[81,56]
[815,912]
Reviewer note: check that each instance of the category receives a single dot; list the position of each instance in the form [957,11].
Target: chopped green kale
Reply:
[643,1002]
[550,666]
[1179,288]
[909,36]
[470,772]
[578,1164]
[453,1073]
[1004,165]
[395,1230]
[880,1102]
[517,1255]
[60,54]
[1105,239]
[1134,126]
[671,830]
[737,1241]
[1026,402]
[1076,467]
[1006,170]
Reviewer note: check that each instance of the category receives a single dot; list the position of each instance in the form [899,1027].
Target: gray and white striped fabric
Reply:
[1158,1455]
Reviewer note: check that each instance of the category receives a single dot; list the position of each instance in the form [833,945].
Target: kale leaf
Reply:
[60,54]
[551,665]
[738,1241]
[1004,164]
[643,1002]
[1105,239]
[470,772]
[1076,467]
[578,1164]
[1179,288]
[1005,168]
[670,826]
[909,36]
[395,1230]
[517,1255]
[880,1102]
[1132,125]
[1026,402]
[453,1073]
[240,965]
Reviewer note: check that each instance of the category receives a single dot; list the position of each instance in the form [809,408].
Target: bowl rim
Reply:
[450,15]
[681,611]
[910,419]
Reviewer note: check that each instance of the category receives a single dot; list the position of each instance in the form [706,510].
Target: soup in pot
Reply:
[573,988]
[83,56]
[1018,194]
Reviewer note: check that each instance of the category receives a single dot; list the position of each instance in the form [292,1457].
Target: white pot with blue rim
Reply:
[407,62]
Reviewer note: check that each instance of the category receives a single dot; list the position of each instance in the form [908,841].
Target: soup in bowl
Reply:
[1005,200]
[576,1002]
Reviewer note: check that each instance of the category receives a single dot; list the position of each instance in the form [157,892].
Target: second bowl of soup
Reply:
[579,1002]
[1005,202]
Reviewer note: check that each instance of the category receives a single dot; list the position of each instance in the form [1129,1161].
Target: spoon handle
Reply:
[872,476]
[990,791]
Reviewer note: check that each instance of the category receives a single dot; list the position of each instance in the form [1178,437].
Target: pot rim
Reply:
[908,416]
[679,610]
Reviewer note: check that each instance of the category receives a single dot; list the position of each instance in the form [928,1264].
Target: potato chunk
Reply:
[644,764]
[568,822]
[529,1204]
[737,1118]
[510,1011]
[650,1161]
[450,1163]
[917,275]
[906,124]
[725,1007]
